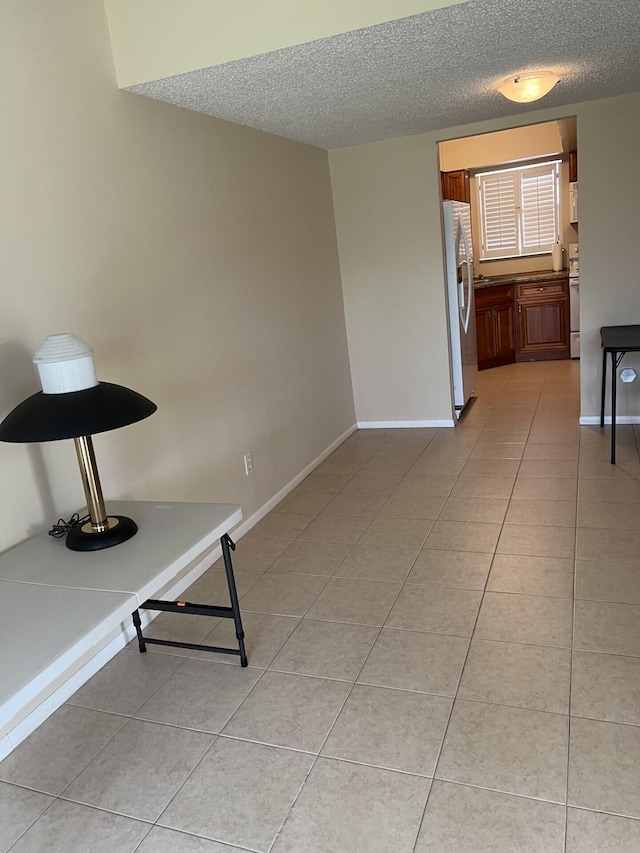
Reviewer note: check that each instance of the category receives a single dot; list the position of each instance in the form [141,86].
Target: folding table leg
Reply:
[138,626]
[604,385]
[186,607]
[227,543]
[615,361]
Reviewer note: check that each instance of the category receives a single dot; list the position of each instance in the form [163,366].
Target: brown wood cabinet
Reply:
[455,186]
[573,166]
[495,326]
[543,320]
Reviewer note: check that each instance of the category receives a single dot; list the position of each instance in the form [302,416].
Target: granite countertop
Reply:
[519,278]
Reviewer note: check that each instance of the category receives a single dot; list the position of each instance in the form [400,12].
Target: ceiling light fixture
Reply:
[524,88]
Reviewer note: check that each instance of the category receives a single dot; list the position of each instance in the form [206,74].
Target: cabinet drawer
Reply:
[494,295]
[538,289]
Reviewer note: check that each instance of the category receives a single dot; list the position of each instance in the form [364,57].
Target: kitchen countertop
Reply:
[519,278]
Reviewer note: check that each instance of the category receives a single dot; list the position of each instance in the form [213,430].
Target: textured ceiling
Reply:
[426,72]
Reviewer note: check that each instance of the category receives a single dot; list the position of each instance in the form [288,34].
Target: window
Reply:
[519,210]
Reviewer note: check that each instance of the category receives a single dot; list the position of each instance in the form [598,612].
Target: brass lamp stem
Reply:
[91,484]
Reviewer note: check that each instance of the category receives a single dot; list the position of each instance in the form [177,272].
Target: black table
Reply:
[616,340]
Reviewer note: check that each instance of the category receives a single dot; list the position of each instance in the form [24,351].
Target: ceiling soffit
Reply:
[426,72]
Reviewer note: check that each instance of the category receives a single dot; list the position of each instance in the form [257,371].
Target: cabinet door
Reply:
[573,166]
[504,333]
[455,186]
[484,336]
[543,328]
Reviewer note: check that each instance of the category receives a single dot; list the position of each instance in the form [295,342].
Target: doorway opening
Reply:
[521,188]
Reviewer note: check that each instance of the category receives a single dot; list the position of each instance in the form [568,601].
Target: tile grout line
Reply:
[355,681]
[484,590]
[480,607]
[573,630]
[455,697]
[402,586]
[317,755]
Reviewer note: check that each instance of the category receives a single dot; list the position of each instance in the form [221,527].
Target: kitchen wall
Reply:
[197,257]
[609,180]
[503,146]
[508,148]
[404,172]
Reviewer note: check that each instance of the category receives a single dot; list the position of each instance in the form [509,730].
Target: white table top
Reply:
[66,622]
[170,536]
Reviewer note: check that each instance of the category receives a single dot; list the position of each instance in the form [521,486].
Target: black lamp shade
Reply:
[51,417]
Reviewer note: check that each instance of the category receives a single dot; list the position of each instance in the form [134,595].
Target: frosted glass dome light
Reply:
[524,88]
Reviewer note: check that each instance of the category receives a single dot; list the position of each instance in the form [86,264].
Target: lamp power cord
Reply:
[63,527]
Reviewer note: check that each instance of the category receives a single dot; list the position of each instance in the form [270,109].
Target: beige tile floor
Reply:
[421,679]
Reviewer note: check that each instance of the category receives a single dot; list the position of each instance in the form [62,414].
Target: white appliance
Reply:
[462,319]
[574,300]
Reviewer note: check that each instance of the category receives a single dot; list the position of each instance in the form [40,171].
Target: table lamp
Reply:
[73,404]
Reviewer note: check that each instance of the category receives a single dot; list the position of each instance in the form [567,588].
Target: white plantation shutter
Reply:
[538,199]
[499,215]
[518,210]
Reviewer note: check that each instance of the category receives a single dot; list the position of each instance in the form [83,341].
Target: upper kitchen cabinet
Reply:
[455,186]
[573,166]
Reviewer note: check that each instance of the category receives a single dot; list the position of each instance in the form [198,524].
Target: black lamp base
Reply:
[81,537]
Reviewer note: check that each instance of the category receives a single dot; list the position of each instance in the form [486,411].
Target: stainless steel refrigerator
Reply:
[462,319]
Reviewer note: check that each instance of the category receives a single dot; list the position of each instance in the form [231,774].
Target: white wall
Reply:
[609,182]
[387,202]
[391,260]
[197,257]
[506,146]
[154,39]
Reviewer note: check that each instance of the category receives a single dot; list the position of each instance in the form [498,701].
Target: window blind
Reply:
[519,210]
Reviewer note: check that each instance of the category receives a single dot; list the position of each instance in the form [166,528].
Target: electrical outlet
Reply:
[248,463]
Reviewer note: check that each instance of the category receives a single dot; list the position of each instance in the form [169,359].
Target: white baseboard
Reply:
[620,419]
[259,514]
[404,424]
[98,656]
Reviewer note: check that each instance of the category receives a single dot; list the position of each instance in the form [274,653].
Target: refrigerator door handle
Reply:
[461,262]
[465,285]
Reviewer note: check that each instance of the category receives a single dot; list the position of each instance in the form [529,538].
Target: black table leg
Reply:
[138,626]
[604,385]
[613,408]
[233,595]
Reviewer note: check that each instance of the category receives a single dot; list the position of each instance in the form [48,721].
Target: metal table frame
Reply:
[616,340]
[232,612]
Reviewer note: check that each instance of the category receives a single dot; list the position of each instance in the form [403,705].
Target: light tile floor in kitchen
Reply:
[421,678]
